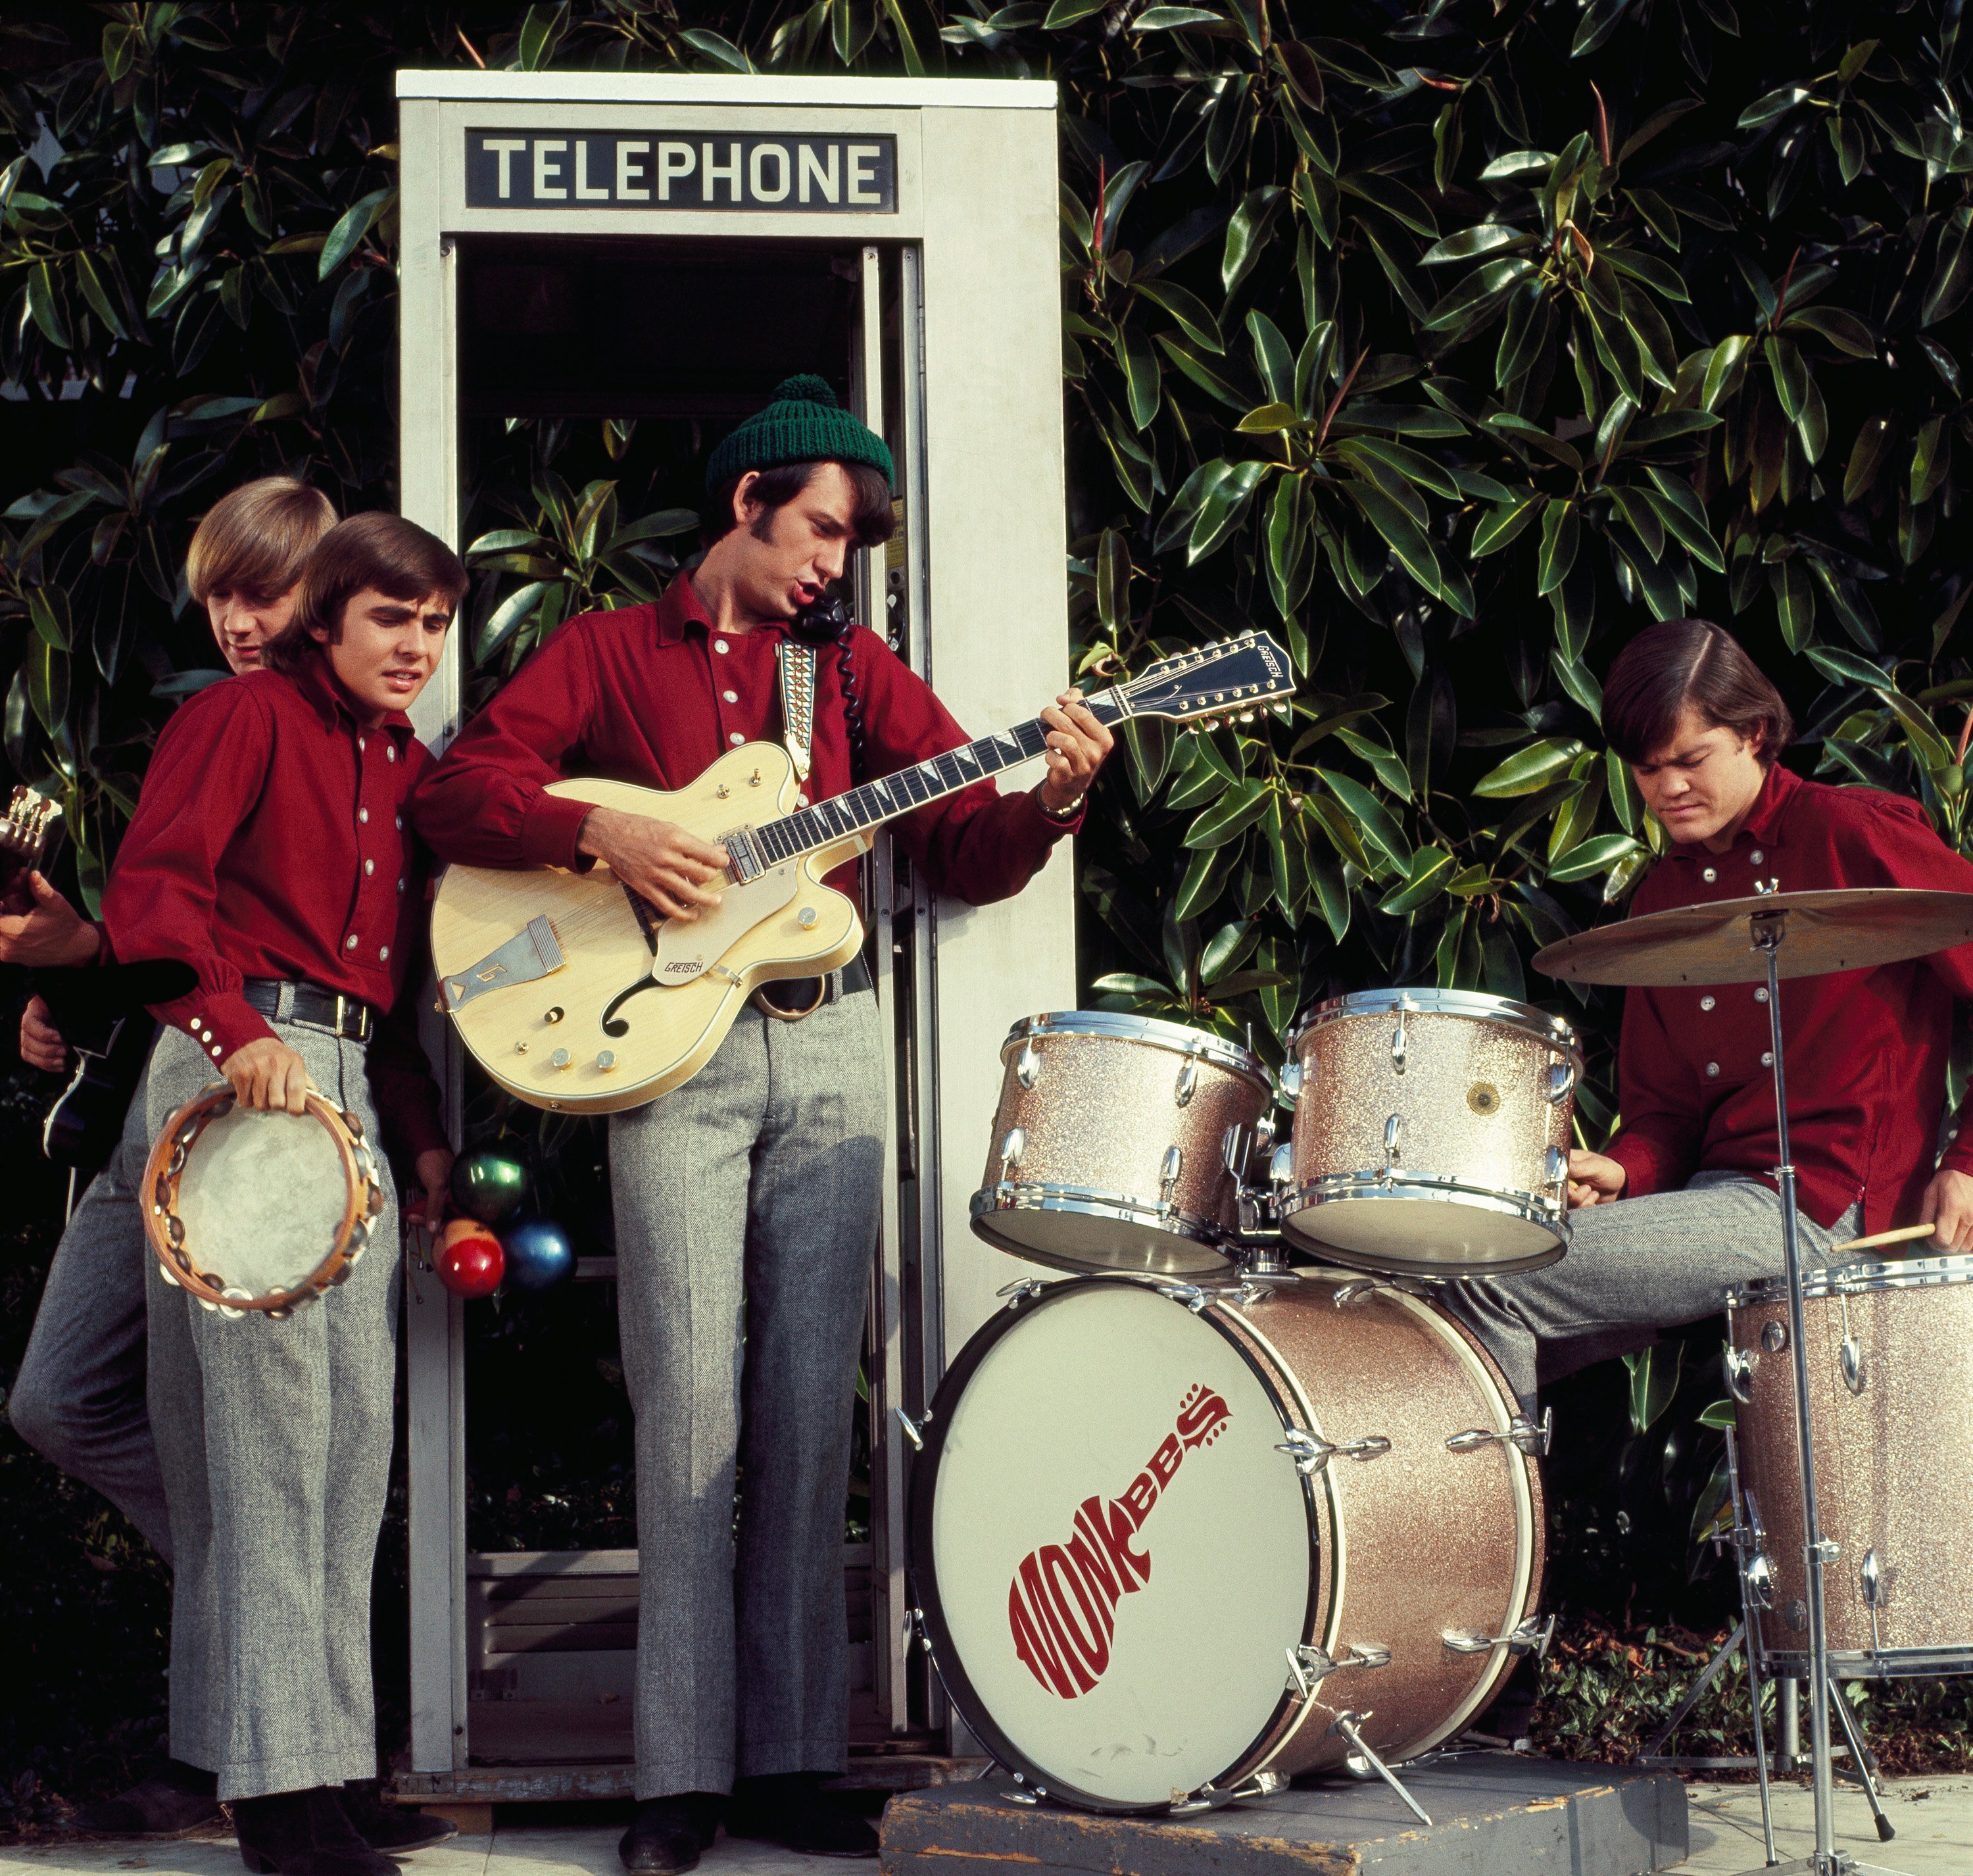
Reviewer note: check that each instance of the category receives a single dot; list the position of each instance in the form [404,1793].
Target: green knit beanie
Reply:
[805,424]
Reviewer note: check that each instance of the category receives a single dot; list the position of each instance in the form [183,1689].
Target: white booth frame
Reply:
[983,591]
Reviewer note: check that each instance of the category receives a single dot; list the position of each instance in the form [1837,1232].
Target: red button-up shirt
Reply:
[1866,1049]
[652,694]
[271,839]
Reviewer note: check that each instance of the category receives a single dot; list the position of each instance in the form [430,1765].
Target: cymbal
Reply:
[1839,928]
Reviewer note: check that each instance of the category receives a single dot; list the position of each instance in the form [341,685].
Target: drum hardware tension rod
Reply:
[1019,1291]
[1193,1297]
[1521,1431]
[1211,1798]
[914,1429]
[1527,1638]
[1349,1725]
[1311,1452]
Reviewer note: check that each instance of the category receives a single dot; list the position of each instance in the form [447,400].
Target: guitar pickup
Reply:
[532,953]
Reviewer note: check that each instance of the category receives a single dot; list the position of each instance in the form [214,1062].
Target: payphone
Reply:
[665,249]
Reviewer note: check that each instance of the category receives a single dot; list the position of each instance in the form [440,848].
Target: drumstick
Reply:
[1903,1234]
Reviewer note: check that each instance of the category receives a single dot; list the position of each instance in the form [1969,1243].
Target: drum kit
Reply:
[1235,1499]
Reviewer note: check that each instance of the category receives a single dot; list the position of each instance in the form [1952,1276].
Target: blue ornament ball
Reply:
[539,1254]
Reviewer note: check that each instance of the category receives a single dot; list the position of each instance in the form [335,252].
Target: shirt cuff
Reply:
[221,1025]
[549,829]
[1957,1157]
[1649,1165]
[1053,827]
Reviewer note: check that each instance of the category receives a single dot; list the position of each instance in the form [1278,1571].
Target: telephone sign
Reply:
[855,174]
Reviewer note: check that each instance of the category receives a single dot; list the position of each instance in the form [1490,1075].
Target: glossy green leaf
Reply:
[1561,530]
[1423,881]
[1529,770]
[1194,316]
[1371,818]
[1236,810]
[1406,538]
[1592,857]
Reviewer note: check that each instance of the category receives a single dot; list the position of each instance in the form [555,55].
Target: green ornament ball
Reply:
[488,1187]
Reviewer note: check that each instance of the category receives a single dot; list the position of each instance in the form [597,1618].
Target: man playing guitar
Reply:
[79,1399]
[271,851]
[746,1199]
[1685,1207]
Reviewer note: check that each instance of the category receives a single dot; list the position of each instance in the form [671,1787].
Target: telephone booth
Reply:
[586,246]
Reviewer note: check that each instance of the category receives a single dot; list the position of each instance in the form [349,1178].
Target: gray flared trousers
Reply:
[747,1206]
[275,1441]
[1634,1268]
[78,1400]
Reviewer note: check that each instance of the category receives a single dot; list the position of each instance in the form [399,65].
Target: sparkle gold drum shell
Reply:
[250,1210]
[1118,1142]
[1890,1395]
[1165,1540]
[1431,1133]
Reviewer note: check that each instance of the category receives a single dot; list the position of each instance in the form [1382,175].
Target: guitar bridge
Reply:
[532,953]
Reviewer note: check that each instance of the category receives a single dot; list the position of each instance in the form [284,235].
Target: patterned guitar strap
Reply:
[797,676]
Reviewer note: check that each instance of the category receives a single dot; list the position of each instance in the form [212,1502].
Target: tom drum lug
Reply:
[1850,1359]
[1521,1431]
[1013,1144]
[1290,1084]
[1398,1041]
[1311,1452]
[1758,1576]
[1740,1366]
[1561,1081]
[1027,1069]
[1193,1297]
[1169,1169]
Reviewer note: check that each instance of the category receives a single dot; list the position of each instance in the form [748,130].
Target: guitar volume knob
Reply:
[559,1059]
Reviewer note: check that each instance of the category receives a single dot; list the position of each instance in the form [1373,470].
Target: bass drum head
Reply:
[261,1198]
[1074,1239]
[1110,1555]
[1422,1237]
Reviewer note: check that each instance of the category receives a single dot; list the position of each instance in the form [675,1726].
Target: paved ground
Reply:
[1933,1817]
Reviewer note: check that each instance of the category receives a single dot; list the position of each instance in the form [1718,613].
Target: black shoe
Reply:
[668,1834]
[396,1829]
[172,1802]
[304,1833]
[791,1809]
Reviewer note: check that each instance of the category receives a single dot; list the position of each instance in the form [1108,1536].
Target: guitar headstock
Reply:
[29,832]
[1234,678]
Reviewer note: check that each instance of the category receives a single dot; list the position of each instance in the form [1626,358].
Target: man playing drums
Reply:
[1683,1206]
[271,851]
[746,1199]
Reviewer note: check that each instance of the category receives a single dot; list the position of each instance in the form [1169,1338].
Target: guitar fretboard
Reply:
[828,821]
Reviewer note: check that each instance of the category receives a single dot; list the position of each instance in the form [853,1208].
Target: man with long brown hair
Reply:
[1683,1206]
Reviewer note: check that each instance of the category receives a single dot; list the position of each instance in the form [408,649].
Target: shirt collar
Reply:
[1763,824]
[681,608]
[328,700]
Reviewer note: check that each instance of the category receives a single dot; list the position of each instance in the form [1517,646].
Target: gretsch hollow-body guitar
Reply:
[575,992]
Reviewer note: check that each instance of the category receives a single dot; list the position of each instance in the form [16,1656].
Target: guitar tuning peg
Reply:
[1246,716]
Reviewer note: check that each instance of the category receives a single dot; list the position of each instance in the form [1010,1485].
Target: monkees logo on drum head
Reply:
[1061,1603]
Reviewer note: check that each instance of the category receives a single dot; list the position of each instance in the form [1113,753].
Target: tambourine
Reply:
[253,1209]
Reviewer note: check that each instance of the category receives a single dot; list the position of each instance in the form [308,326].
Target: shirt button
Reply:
[732,696]
[1756,856]
[363,815]
[1760,996]
[736,737]
[1713,1068]
[1705,1002]
[1709,876]
[369,867]
[1767,1057]
[391,754]
[401,885]
[397,821]
[801,800]
[360,745]
[384,955]
[215,1055]
[719,644]
[349,943]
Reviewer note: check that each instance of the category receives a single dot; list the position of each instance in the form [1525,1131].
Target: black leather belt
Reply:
[802,997]
[348,1017]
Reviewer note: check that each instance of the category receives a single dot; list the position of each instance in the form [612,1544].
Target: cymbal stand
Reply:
[1768,930]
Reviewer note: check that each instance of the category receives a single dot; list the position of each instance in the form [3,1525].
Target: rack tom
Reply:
[1431,1133]
[1118,1143]
[1891,1386]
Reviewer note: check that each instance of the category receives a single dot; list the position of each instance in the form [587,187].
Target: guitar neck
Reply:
[827,822]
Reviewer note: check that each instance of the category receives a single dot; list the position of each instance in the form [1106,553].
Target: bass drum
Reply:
[1163,1538]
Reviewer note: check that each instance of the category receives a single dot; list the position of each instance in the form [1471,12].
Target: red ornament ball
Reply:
[471,1262]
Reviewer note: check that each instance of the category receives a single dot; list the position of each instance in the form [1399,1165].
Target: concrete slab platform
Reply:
[1492,1816]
